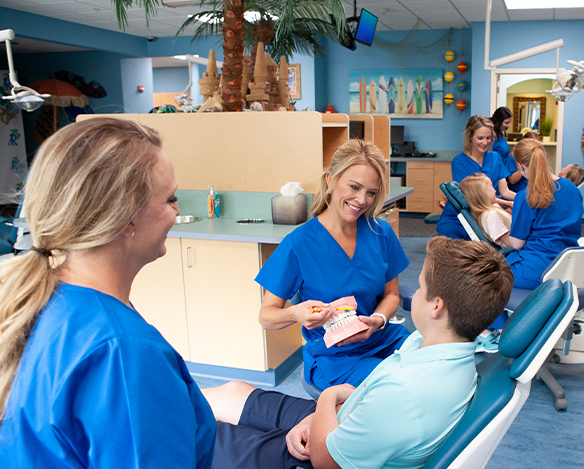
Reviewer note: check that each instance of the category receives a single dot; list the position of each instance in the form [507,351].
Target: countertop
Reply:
[226,229]
[434,159]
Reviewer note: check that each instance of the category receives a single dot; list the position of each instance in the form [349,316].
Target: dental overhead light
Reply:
[569,82]
[22,96]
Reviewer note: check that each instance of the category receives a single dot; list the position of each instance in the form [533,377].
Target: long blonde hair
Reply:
[351,153]
[87,182]
[540,184]
[475,189]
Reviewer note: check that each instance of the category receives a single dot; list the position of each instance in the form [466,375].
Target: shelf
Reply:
[335,124]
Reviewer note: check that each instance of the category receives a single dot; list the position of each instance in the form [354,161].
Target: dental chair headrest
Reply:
[529,318]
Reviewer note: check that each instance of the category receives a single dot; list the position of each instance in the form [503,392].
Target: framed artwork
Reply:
[294,81]
[416,93]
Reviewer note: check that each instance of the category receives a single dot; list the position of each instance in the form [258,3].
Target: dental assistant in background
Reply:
[343,251]
[85,381]
[501,120]
[476,158]
[547,216]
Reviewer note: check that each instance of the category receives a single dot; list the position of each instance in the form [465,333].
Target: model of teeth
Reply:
[344,323]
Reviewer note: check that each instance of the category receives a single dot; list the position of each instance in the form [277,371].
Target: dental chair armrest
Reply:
[405,297]
[507,251]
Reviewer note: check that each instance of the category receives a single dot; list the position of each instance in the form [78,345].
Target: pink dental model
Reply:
[344,323]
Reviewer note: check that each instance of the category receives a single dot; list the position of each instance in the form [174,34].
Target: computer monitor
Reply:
[366,27]
[396,136]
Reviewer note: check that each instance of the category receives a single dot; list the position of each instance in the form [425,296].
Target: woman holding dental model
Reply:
[343,251]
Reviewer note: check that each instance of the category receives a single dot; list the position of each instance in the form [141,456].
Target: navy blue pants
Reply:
[259,440]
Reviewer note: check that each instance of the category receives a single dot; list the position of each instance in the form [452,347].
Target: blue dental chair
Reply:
[504,378]
[458,201]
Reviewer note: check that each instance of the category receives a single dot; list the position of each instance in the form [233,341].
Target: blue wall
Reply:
[332,81]
[527,34]
[120,63]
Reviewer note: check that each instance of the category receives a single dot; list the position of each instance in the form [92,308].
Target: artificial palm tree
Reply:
[285,27]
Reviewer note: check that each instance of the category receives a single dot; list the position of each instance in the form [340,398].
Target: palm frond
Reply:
[121,6]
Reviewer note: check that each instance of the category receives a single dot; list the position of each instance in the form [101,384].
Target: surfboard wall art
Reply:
[413,93]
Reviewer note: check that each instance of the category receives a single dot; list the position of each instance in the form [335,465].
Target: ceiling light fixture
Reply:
[569,82]
[22,96]
[542,4]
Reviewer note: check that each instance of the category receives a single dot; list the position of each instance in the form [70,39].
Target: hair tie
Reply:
[42,252]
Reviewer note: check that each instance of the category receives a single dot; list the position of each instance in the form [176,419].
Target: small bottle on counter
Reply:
[213,203]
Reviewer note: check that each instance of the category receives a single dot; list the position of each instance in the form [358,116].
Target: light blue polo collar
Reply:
[410,352]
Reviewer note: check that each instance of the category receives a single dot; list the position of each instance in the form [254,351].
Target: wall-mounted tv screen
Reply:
[366,27]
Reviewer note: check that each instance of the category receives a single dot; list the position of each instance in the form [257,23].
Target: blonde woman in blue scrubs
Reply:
[342,251]
[84,380]
[547,216]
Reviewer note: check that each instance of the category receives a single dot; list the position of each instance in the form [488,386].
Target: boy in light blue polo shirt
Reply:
[405,408]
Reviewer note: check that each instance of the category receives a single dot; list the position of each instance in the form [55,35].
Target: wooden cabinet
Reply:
[203,299]
[158,294]
[442,173]
[425,178]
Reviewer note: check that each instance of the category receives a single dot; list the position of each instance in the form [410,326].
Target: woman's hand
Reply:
[505,203]
[308,314]
[274,314]
[374,323]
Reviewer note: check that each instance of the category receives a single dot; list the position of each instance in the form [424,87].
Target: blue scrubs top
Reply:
[546,231]
[310,260]
[99,387]
[463,166]
[501,146]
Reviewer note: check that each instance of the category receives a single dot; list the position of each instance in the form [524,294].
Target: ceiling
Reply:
[393,15]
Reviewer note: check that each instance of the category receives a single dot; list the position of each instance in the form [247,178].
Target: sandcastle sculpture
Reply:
[274,90]
[245,76]
[283,84]
[258,90]
[211,79]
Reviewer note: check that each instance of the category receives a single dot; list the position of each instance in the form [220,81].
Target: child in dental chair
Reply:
[482,199]
[405,408]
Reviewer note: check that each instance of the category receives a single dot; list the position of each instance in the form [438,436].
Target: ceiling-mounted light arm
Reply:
[24,97]
[490,65]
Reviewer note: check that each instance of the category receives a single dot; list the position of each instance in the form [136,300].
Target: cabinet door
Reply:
[158,295]
[442,173]
[420,176]
[223,302]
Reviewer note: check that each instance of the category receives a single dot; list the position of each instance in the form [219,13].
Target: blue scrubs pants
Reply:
[259,440]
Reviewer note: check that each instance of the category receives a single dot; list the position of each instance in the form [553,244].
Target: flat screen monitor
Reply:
[396,136]
[366,27]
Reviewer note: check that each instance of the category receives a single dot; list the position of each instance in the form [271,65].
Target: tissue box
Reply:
[289,209]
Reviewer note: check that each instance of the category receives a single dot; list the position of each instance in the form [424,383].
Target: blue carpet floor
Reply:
[540,437]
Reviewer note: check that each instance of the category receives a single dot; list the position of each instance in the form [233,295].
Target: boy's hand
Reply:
[297,439]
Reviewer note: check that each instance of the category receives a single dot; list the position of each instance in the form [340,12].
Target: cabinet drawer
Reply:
[420,179]
[420,202]
[420,165]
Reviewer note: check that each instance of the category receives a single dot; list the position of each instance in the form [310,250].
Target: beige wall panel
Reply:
[381,134]
[223,302]
[158,295]
[241,151]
